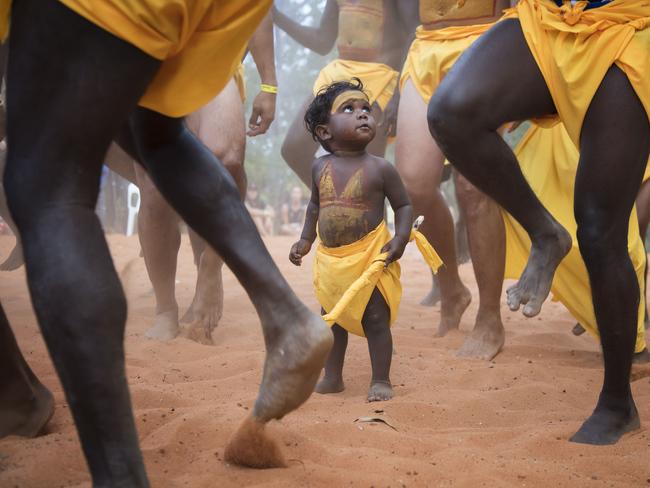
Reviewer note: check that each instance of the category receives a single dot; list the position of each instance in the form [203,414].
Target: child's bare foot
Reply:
[380,391]
[329,385]
[27,418]
[608,423]
[535,283]
[165,326]
[452,310]
[293,364]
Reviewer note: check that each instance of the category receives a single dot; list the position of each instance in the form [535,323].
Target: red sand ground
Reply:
[458,422]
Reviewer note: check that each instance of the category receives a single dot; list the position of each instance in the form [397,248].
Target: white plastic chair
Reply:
[133,203]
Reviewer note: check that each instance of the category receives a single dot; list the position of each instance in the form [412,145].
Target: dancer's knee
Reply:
[452,111]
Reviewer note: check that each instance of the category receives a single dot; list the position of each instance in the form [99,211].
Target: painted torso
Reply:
[447,11]
[350,206]
[361,29]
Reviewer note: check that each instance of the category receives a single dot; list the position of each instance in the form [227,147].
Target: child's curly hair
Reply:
[318,112]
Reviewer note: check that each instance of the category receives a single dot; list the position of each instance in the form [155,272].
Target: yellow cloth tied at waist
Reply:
[379,80]
[549,161]
[574,48]
[434,52]
[345,277]
[200,42]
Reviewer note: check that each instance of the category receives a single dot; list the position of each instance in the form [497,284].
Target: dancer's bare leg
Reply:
[220,126]
[25,404]
[616,131]
[160,239]
[461,122]
[615,134]
[205,196]
[420,163]
[75,99]
[487,244]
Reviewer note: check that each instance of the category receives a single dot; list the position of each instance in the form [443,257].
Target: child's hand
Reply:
[298,250]
[394,248]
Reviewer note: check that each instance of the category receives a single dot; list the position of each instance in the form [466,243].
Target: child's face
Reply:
[351,125]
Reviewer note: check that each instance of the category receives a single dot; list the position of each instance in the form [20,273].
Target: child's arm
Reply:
[308,236]
[399,201]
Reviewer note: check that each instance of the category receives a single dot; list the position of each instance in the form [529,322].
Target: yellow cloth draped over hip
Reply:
[549,161]
[379,80]
[345,277]
[434,52]
[200,42]
[574,48]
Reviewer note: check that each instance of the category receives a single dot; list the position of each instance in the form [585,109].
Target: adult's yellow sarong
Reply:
[434,52]
[574,48]
[345,277]
[379,80]
[200,42]
[549,160]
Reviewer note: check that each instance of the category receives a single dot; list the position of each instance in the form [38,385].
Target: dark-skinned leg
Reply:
[332,381]
[25,404]
[615,134]
[205,196]
[464,117]
[76,99]
[376,326]
[487,244]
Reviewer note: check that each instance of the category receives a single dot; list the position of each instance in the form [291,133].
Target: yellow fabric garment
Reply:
[345,277]
[549,161]
[200,42]
[434,52]
[574,48]
[240,80]
[379,80]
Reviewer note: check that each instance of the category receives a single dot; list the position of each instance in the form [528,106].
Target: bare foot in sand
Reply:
[608,423]
[14,260]
[165,326]
[484,342]
[452,310]
[535,283]
[207,305]
[380,391]
[26,417]
[329,385]
[293,364]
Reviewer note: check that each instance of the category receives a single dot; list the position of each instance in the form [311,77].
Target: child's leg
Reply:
[376,326]
[332,382]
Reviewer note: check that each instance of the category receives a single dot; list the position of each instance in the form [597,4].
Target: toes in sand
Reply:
[380,391]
